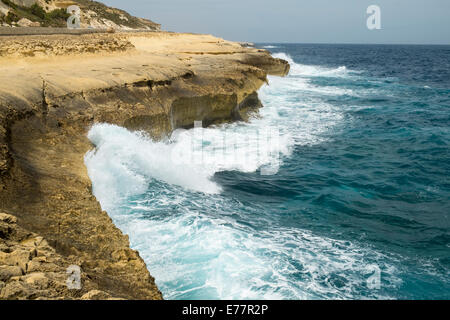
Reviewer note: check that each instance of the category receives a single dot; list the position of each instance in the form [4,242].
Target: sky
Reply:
[300,21]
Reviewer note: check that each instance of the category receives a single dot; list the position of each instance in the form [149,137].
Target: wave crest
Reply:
[312,70]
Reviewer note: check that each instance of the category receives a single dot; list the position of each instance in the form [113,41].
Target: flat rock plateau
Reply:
[52,89]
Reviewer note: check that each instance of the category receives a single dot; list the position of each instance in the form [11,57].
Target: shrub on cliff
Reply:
[38,11]
[57,14]
[11,17]
[35,13]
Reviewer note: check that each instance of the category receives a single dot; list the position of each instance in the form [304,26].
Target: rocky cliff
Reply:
[52,89]
[53,13]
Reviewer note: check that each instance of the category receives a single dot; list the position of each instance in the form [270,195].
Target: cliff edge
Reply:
[52,89]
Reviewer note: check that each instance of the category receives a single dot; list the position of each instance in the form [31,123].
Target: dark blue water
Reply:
[362,193]
[385,180]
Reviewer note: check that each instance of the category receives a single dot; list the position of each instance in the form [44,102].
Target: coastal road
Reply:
[31,31]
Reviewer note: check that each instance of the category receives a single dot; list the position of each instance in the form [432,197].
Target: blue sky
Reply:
[300,21]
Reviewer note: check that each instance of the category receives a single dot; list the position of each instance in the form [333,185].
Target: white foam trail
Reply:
[198,255]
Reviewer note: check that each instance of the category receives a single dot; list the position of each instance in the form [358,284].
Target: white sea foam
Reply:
[192,157]
[196,255]
[188,232]
[134,160]
[298,69]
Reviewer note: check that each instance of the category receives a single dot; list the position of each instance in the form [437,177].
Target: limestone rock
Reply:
[7,218]
[124,255]
[7,272]
[31,269]
[24,3]
[38,280]
[4,9]
[96,295]
[7,225]
[24,22]
[20,258]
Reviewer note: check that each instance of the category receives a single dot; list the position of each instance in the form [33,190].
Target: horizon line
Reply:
[353,43]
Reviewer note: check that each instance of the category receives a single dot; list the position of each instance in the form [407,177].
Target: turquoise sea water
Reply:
[359,208]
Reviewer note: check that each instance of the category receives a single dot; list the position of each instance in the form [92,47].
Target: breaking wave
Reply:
[201,241]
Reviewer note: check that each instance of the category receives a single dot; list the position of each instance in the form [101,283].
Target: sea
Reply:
[338,188]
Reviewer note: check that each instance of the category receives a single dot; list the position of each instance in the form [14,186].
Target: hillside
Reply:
[52,13]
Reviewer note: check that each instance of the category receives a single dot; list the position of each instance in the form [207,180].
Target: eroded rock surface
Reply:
[30,268]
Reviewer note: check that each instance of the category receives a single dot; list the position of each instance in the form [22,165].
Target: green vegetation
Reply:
[10,18]
[114,15]
[35,13]
[38,11]
[58,17]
